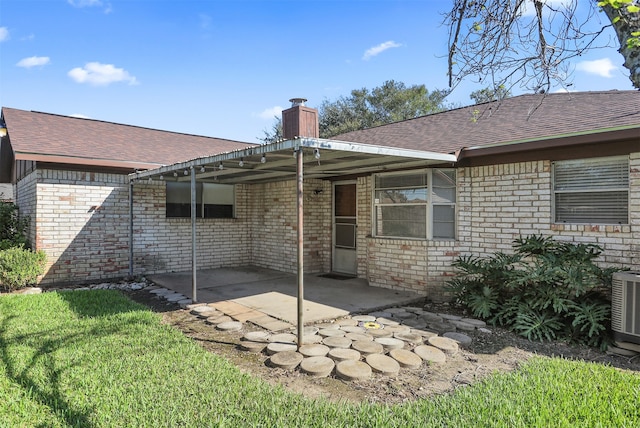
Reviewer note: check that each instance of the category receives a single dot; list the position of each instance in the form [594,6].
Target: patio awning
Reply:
[323,159]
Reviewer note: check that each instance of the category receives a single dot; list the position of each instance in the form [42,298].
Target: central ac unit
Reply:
[625,306]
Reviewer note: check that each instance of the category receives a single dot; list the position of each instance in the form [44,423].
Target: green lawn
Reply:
[97,359]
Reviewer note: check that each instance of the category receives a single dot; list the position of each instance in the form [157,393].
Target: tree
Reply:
[530,42]
[391,102]
[488,94]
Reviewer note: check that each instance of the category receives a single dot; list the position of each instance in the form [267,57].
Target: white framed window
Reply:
[212,200]
[418,204]
[588,191]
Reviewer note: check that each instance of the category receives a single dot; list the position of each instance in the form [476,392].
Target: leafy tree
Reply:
[531,42]
[487,94]
[364,108]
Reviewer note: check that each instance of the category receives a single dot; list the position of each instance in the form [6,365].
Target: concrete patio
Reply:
[274,293]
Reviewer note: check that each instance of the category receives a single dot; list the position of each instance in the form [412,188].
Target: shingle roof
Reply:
[524,117]
[36,133]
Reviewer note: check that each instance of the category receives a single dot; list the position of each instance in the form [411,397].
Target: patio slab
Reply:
[274,293]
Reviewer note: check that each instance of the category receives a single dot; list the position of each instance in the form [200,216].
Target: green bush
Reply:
[12,227]
[20,267]
[546,290]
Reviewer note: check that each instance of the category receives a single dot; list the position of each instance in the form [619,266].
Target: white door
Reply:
[344,228]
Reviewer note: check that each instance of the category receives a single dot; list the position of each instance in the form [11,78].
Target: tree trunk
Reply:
[629,22]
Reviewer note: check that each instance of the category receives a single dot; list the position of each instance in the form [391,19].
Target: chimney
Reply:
[299,120]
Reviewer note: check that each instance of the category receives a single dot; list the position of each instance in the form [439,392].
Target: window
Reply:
[592,190]
[212,200]
[416,205]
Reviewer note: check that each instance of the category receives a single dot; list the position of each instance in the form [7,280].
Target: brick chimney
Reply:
[299,120]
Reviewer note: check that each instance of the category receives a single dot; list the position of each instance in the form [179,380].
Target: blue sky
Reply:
[225,68]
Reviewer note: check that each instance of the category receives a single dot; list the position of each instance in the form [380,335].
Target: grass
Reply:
[97,359]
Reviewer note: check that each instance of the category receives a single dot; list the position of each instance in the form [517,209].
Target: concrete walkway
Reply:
[274,293]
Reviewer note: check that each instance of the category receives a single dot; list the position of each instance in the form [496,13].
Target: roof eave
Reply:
[74,160]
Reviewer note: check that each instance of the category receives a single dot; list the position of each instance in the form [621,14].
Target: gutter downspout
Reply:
[130,228]
[300,187]
[194,282]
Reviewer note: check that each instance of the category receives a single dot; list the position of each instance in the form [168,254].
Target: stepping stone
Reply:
[314,350]
[390,343]
[217,319]
[283,338]
[379,333]
[383,364]
[415,323]
[393,311]
[161,291]
[431,317]
[358,336]
[276,347]
[406,358]
[342,354]
[424,333]
[184,303]
[287,360]
[326,332]
[398,328]
[328,326]
[442,327]
[203,311]
[409,337]
[449,317]
[317,366]
[475,322]
[380,314]
[368,347]
[346,321]
[387,321]
[352,329]
[246,345]
[430,354]
[337,342]
[448,346]
[462,339]
[175,297]
[416,310]
[353,370]
[230,326]
[404,315]
[310,331]
[257,336]
[464,326]
[311,339]
[363,318]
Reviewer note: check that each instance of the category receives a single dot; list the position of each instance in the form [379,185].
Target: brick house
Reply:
[395,204]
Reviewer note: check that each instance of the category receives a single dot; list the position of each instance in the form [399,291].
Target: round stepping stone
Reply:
[379,333]
[415,323]
[352,329]
[161,291]
[390,343]
[424,333]
[217,319]
[287,360]
[404,315]
[363,318]
[257,336]
[475,322]
[416,310]
[430,354]
[184,303]
[330,332]
[310,331]
[450,317]
[276,347]
[203,311]
[448,346]
[353,370]
[230,326]
[175,297]
[409,337]
[398,328]
[395,310]
[283,338]
[342,354]
[328,326]
[462,339]
[337,342]
[368,347]
[442,327]
[311,339]
[406,358]
[464,326]
[431,317]
[314,350]
[358,336]
[380,314]
[317,366]
[383,364]
[346,321]
[387,321]
[246,345]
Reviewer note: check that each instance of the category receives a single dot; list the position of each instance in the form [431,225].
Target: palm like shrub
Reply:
[545,290]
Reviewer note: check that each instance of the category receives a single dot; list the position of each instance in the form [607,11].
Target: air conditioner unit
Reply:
[625,306]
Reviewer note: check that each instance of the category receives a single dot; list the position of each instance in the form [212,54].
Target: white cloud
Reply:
[270,112]
[4,34]
[98,74]
[33,61]
[91,3]
[377,50]
[601,67]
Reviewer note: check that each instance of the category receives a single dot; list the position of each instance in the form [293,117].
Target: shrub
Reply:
[12,227]
[546,290]
[20,267]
